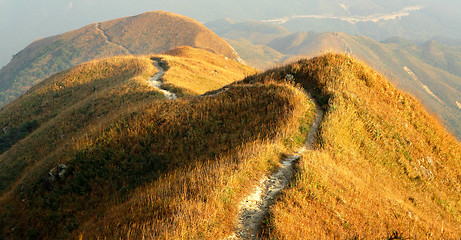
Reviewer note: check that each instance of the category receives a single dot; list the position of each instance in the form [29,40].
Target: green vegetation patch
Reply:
[15,134]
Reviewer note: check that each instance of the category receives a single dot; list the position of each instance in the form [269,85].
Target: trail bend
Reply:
[156,82]
[255,206]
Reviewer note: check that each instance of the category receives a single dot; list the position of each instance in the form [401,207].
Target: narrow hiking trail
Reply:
[157,83]
[255,207]
[108,40]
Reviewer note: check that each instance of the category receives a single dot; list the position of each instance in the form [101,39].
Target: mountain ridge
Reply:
[161,189]
[435,65]
[382,167]
[147,33]
[98,151]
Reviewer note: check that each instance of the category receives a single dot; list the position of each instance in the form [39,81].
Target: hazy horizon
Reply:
[23,21]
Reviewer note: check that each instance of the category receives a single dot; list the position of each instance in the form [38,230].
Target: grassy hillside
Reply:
[127,148]
[156,32]
[429,71]
[91,91]
[66,105]
[200,71]
[257,55]
[383,167]
[148,33]
[219,147]
[139,166]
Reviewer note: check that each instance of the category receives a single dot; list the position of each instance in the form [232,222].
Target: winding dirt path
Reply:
[109,41]
[255,207]
[157,83]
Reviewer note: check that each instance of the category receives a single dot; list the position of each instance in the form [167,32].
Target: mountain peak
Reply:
[148,33]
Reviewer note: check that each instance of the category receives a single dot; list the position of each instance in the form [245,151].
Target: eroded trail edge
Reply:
[156,82]
[255,207]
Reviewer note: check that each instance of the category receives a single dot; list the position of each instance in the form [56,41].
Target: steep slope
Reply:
[382,168]
[84,92]
[148,33]
[429,71]
[43,128]
[106,143]
[198,198]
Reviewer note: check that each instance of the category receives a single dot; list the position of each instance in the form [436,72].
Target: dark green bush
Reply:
[15,134]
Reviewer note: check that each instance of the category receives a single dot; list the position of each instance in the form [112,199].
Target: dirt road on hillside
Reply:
[256,206]
[157,83]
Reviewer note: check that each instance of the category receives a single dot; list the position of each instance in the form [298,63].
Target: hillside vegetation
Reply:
[200,71]
[219,147]
[148,33]
[140,166]
[120,140]
[383,167]
[68,102]
[170,162]
[430,71]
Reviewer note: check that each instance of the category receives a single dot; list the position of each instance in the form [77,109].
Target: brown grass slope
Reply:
[148,33]
[156,32]
[221,146]
[66,105]
[83,104]
[164,159]
[383,167]
[93,90]
[200,71]
[434,77]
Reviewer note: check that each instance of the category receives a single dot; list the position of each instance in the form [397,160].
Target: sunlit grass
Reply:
[121,140]
[383,167]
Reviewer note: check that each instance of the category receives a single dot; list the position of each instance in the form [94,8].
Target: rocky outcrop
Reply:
[57,173]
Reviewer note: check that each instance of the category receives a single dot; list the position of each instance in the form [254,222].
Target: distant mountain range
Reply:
[148,33]
[431,71]
[420,20]
[415,20]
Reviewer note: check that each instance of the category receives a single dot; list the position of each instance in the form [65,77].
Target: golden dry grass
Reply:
[200,198]
[196,156]
[382,168]
[94,94]
[69,104]
[160,31]
[200,71]
[122,142]
[144,34]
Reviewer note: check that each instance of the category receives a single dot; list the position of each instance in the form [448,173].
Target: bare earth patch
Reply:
[157,83]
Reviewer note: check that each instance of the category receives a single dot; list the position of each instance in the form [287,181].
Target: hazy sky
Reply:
[23,21]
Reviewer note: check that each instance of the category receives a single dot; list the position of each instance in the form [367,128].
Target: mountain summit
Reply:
[148,33]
